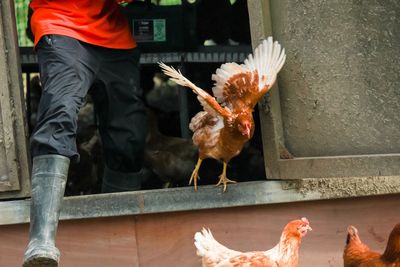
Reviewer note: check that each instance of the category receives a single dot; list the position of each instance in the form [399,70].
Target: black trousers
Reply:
[68,69]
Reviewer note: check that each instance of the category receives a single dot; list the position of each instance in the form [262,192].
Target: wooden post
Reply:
[14,163]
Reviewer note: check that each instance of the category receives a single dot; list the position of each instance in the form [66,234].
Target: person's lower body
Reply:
[68,68]
[115,181]
[53,145]
[122,121]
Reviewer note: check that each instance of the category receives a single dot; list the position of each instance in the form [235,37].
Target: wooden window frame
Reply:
[15,182]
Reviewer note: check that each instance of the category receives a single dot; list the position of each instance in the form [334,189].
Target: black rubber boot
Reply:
[114,181]
[49,176]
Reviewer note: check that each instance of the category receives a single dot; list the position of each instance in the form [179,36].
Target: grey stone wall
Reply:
[340,86]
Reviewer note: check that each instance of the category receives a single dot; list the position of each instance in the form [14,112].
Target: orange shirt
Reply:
[98,22]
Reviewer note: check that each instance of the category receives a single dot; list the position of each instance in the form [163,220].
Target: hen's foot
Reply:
[194,177]
[195,174]
[224,180]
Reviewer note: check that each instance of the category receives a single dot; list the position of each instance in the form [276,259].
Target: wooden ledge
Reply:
[207,197]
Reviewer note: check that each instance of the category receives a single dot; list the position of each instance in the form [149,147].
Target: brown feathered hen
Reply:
[226,124]
[284,254]
[358,254]
[170,158]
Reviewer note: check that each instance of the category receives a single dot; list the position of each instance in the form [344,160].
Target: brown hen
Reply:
[226,124]
[284,254]
[170,158]
[358,254]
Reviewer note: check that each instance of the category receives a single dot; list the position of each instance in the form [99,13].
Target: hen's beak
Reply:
[305,229]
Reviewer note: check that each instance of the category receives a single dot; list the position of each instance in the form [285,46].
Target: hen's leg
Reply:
[223,179]
[195,174]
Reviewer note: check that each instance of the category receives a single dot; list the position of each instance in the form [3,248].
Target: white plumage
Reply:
[206,245]
[267,61]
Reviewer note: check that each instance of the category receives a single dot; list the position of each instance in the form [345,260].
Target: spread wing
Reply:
[208,102]
[240,86]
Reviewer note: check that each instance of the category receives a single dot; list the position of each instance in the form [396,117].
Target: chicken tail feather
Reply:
[203,241]
[352,233]
[208,247]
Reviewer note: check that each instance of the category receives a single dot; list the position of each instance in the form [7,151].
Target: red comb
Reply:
[304,219]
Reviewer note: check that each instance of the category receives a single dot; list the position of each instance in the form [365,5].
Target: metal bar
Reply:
[183,106]
[207,197]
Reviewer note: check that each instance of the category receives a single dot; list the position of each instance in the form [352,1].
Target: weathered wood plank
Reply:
[166,239]
[104,242]
[259,228]
[14,166]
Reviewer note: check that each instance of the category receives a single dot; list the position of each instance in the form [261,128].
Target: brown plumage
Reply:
[284,254]
[226,124]
[358,254]
[170,158]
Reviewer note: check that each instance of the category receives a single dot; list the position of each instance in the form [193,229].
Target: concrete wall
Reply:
[340,86]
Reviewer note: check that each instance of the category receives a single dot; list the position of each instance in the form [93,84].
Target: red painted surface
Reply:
[166,240]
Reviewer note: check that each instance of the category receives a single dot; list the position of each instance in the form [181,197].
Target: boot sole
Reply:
[41,262]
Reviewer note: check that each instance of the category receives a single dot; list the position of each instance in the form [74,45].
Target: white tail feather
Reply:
[203,241]
[208,247]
